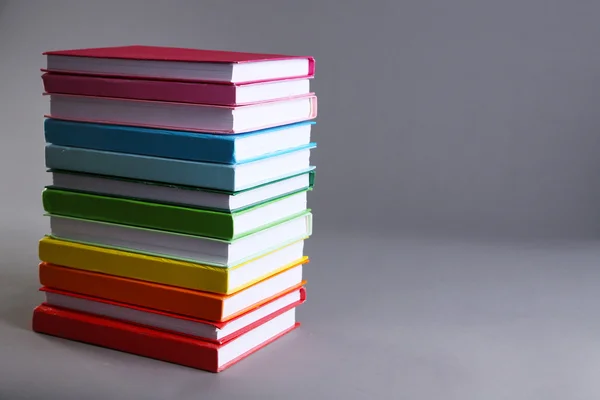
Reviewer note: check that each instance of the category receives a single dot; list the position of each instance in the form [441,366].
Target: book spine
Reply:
[140,89]
[131,212]
[124,264]
[160,297]
[148,142]
[176,172]
[125,337]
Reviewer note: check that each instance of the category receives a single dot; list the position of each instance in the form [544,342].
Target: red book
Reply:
[183,64]
[157,344]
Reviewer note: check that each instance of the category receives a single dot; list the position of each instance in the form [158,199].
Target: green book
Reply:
[172,218]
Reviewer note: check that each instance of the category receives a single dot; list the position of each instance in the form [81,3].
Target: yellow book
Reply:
[168,271]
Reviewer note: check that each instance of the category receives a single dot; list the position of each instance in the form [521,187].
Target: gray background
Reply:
[457,205]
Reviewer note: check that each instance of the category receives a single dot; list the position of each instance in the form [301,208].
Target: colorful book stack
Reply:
[178,205]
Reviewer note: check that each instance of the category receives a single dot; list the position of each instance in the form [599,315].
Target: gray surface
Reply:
[409,320]
[461,119]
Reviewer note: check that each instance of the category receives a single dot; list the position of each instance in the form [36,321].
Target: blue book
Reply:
[203,147]
[229,177]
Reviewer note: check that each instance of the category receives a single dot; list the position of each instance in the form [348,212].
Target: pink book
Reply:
[184,64]
[175,91]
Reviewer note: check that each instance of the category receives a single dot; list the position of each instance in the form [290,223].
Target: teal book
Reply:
[234,177]
[181,145]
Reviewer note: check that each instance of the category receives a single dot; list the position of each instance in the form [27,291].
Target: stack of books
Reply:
[178,204]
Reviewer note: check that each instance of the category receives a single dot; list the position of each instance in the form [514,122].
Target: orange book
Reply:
[192,303]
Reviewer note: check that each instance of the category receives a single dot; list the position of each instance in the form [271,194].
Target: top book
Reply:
[173,63]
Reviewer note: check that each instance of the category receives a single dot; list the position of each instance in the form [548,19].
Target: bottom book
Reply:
[159,344]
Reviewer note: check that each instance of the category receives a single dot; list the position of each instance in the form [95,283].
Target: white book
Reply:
[182,195]
[183,116]
[203,250]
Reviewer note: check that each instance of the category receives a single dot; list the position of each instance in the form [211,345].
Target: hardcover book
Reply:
[183,116]
[166,271]
[233,178]
[178,246]
[223,149]
[159,344]
[210,331]
[175,91]
[192,303]
[191,196]
[165,217]
[185,64]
